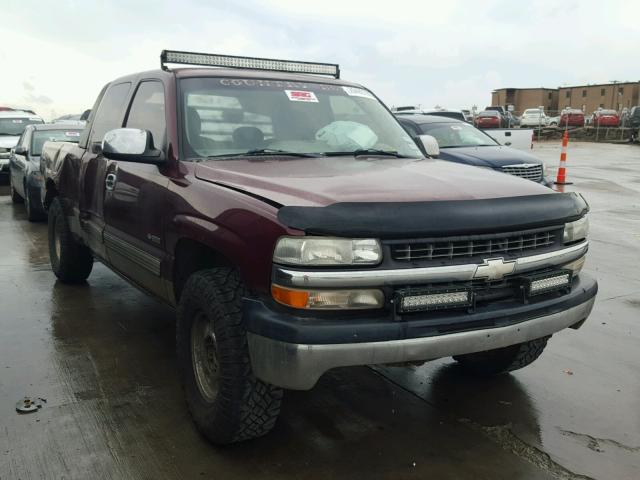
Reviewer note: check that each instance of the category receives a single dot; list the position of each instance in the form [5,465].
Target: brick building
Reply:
[523,98]
[588,98]
[584,97]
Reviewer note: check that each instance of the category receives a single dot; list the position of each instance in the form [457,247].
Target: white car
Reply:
[532,117]
[12,124]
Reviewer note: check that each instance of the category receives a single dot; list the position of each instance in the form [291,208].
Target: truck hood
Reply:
[328,180]
[8,141]
[493,157]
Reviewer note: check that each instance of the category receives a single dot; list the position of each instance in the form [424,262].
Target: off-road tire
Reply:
[70,260]
[15,197]
[502,360]
[243,407]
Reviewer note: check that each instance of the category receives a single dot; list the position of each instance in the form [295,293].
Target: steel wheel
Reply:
[204,355]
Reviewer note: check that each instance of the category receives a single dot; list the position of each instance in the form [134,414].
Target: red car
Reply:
[572,118]
[606,118]
[489,119]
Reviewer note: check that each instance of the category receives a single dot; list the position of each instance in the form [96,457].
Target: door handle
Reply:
[110,181]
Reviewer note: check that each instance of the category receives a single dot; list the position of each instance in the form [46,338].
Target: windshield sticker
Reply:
[33,119]
[301,96]
[358,92]
[17,120]
[72,134]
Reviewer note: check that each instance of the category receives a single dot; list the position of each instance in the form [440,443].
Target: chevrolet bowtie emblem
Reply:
[494,269]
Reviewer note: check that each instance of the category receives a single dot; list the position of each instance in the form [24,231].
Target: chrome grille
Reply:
[478,246]
[530,171]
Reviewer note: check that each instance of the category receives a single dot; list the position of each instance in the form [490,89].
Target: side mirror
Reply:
[429,145]
[20,150]
[131,145]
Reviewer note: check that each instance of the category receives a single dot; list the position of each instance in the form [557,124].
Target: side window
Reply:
[25,139]
[147,111]
[110,113]
[410,128]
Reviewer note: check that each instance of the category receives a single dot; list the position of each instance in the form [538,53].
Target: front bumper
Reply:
[293,352]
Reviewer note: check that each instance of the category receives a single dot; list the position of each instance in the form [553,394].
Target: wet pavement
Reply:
[102,355]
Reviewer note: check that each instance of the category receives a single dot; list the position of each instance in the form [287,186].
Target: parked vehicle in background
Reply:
[490,119]
[553,121]
[457,114]
[71,119]
[25,178]
[518,138]
[296,227]
[605,118]
[468,115]
[496,108]
[634,117]
[512,120]
[463,143]
[534,117]
[571,117]
[12,124]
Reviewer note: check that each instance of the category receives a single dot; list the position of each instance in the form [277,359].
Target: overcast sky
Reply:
[55,58]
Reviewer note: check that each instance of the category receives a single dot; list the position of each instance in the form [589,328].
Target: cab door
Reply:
[109,115]
[135,198]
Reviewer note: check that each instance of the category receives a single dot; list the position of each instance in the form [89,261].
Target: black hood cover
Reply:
[437,218]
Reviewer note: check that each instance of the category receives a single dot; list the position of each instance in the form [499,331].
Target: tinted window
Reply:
[456,115]
[15,126]
[110,113]
[457,135]
[147,111]
[41,136]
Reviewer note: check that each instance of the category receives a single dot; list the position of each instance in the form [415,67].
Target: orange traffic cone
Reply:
[562,171]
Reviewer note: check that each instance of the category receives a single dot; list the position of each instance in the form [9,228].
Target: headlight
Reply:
[316,251]
[574,231]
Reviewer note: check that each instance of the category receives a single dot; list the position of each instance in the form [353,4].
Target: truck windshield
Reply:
[224,117]
[15,126]
[451,135]
[41,136]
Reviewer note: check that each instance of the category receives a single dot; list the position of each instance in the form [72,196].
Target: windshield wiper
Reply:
[368,151]
[268,151]
[10,134]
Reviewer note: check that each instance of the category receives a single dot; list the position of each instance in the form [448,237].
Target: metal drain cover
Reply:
[29,405]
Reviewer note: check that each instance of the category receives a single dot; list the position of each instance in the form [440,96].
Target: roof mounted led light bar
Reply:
[251,63]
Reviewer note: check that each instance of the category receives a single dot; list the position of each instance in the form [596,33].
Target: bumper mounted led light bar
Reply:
[417,300]
[548,282]
[250,63]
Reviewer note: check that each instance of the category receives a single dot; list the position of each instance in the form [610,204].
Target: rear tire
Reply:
[71,261]
[15,197]
[227,402]
[503,360]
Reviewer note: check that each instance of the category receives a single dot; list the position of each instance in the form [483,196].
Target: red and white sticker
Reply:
[301,96]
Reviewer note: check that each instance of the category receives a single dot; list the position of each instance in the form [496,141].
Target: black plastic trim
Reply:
[268,320]
[437,218]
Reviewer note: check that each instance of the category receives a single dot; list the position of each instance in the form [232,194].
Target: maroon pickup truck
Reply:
[296,227]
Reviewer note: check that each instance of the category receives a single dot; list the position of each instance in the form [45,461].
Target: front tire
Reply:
[33,214]
[71,261]
[15,197]
[227,402]
[502,360]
